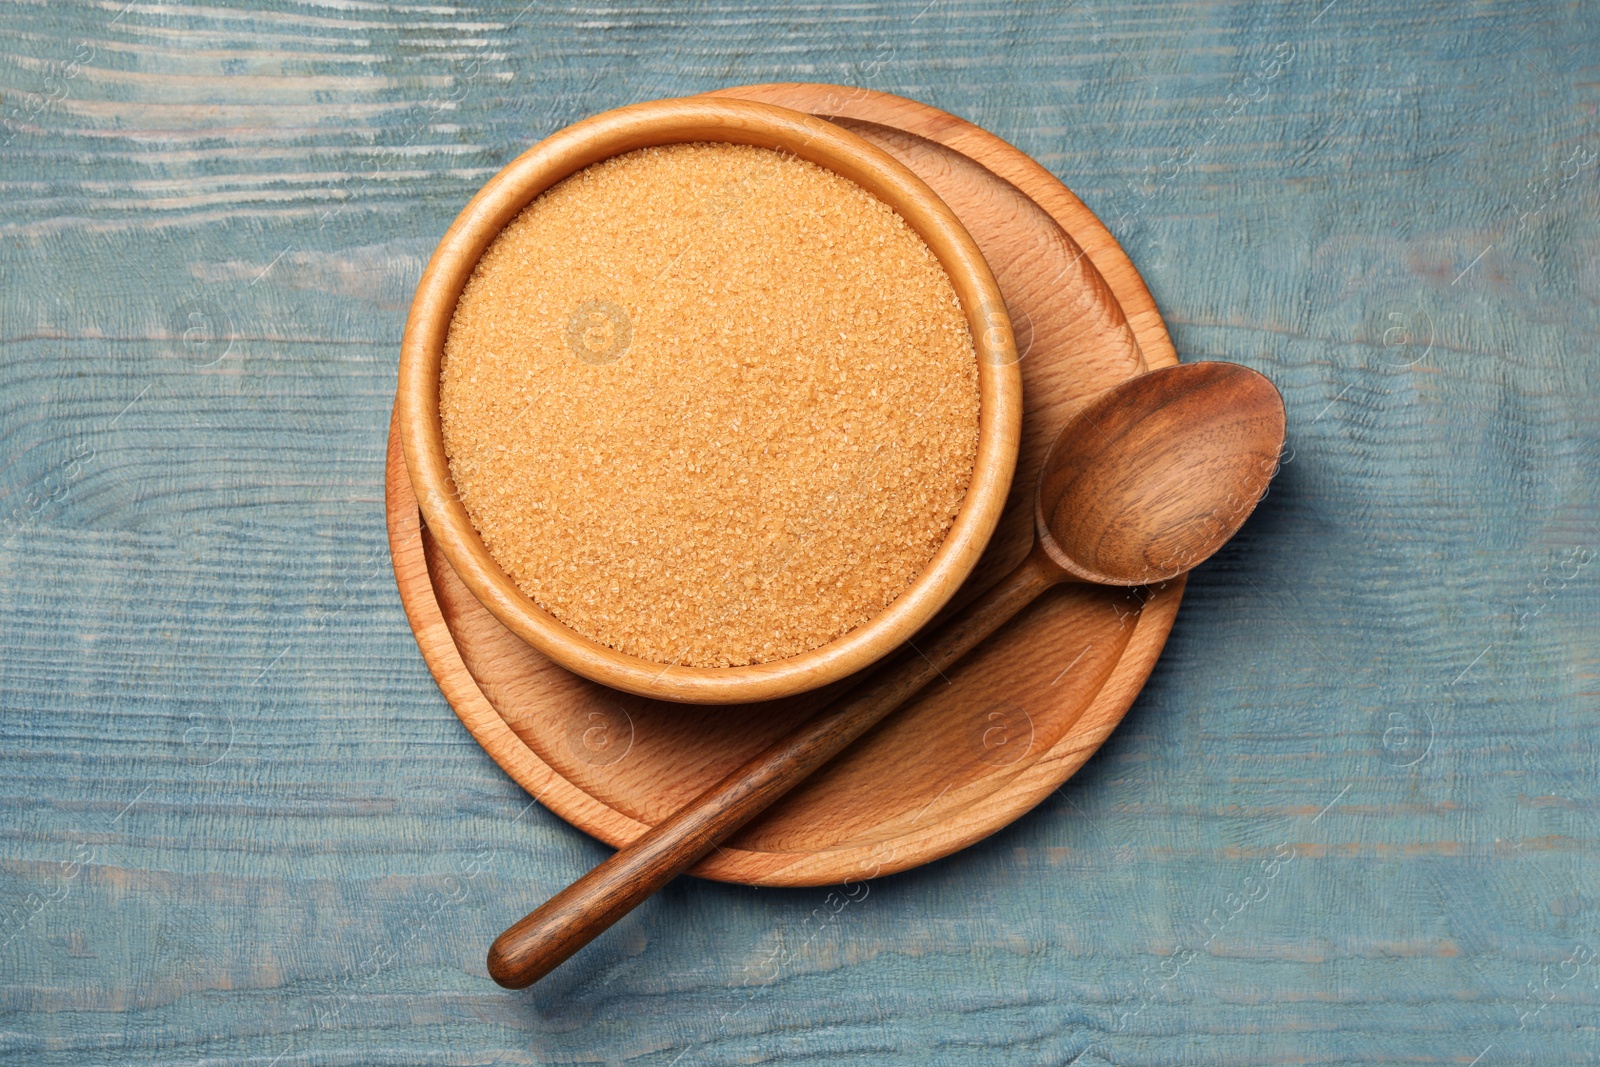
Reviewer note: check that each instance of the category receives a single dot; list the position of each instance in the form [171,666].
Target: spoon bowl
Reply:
[1150,478]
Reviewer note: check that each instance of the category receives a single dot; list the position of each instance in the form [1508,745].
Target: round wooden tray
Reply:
[1015,719]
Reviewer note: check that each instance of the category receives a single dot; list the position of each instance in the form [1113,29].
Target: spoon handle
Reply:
[546,937]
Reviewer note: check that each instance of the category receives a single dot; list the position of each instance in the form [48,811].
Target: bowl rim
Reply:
[673,121]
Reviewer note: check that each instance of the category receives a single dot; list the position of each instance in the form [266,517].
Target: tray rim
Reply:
[915,845]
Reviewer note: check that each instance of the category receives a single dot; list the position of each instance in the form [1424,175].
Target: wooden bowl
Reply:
[737,122]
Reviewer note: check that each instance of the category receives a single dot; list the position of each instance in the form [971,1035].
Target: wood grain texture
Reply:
[240,824]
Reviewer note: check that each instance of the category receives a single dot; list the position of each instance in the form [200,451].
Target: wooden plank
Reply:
[240,824]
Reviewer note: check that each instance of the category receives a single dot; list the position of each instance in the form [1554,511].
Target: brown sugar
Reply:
[710,404]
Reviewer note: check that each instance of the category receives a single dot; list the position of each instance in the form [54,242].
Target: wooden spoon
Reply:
[1146,481]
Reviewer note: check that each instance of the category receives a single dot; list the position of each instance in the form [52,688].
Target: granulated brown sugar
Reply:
[710,404]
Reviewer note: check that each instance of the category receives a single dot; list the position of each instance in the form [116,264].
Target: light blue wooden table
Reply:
[239,825]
